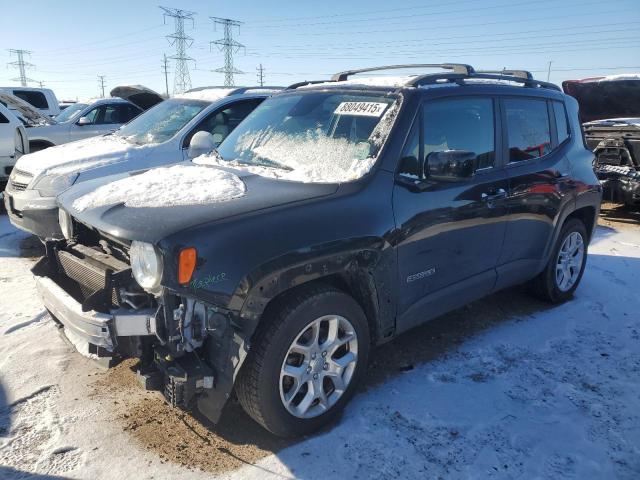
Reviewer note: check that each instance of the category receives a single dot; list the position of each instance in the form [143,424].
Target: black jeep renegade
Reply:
[336,216]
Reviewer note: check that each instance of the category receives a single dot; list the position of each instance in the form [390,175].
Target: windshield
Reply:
[320,137]
[162,122]
[70,113]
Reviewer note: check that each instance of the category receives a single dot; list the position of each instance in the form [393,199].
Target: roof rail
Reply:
[431,79]
[293,86]
[510,73]
[459,68]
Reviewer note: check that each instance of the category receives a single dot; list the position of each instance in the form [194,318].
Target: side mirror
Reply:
[202,142]
[84,121]
[450,165]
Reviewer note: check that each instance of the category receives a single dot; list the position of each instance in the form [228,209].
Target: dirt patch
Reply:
[619,217]
[180,437]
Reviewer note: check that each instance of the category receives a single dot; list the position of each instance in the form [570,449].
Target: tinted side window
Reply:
[460,124]
[3,119]
[221,123]
[37,99]
[561,121]
[131,113]
[528,129]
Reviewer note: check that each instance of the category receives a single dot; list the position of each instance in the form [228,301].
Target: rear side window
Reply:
[562,124]
[37,99]
[528,128]
[460,124]
[3,119]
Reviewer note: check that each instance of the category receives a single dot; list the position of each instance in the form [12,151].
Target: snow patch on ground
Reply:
[166,186]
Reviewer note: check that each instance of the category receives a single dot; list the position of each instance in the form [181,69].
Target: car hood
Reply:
[81,155]
[152,224]
[139,95]
[605,98]
[29,115]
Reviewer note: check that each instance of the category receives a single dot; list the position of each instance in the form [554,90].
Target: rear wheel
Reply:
[562,275]
[305,362]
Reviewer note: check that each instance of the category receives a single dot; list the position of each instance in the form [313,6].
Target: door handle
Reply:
[494,195]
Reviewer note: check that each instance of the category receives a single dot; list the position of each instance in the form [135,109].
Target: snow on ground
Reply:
[166,186]
[507,387]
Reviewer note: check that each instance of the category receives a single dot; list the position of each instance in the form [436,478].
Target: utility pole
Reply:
[22,66]
[182,80]
[549,70]
[229,46]
[41,83]
[260,75]
[101,79]
[165,70]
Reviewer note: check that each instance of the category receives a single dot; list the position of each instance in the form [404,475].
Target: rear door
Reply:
[450,232]
[540,181]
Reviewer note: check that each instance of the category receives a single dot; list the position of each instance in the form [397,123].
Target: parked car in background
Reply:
[83,120]
[174,130]
[64,104]
[336,216]
[13,143]
[41,98]
[610,111]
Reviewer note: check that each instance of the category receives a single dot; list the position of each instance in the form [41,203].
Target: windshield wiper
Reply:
[267,162]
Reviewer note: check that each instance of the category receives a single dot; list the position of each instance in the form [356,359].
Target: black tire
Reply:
[544,286]
[258,384]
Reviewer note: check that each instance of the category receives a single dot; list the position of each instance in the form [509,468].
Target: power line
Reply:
[101,80]
[182,80]
[260,70]
[165,71]
[229,46]
[21,65]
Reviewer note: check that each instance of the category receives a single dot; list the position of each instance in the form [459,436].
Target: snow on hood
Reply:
[207,94]
[81,155]
[615,122]
[620,77]
[166,187]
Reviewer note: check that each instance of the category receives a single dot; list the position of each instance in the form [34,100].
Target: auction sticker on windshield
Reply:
[364,109]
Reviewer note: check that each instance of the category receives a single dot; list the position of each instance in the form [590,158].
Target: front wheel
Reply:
[562,275]
[305,362]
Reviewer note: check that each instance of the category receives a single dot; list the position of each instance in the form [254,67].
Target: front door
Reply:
[450,230]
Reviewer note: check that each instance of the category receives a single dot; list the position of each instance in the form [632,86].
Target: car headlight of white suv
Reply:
[146,265]
[54,184]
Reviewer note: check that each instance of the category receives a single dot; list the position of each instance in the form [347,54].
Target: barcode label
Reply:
[364,109]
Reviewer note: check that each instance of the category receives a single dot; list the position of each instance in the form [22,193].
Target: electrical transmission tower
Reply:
[260,75]
[22,66]
[165,70]
[101,79]
[182,80]
[229,46]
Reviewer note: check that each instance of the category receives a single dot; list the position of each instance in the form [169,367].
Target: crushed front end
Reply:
[617,149]
[187,349]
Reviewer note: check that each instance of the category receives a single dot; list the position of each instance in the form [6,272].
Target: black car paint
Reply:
[369,236]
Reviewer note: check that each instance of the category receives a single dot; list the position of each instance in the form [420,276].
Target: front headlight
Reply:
[146,265]
[66,225]
[51,185]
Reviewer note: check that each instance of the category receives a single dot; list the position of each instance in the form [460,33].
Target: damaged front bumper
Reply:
[188,350]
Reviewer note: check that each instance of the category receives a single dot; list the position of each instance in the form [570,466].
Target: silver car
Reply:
[174,130]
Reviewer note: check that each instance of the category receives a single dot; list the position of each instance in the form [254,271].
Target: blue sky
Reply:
[74,41]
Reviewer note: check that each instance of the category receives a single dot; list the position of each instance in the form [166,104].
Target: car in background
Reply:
[83,120]
[610,112]
[177,129]
[41,98]
[13,143]
[64,104]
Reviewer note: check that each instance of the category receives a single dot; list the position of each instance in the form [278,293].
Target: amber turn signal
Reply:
[186,264]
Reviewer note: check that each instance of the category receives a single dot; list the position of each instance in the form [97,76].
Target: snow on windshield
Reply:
[165,187]
[343,152]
